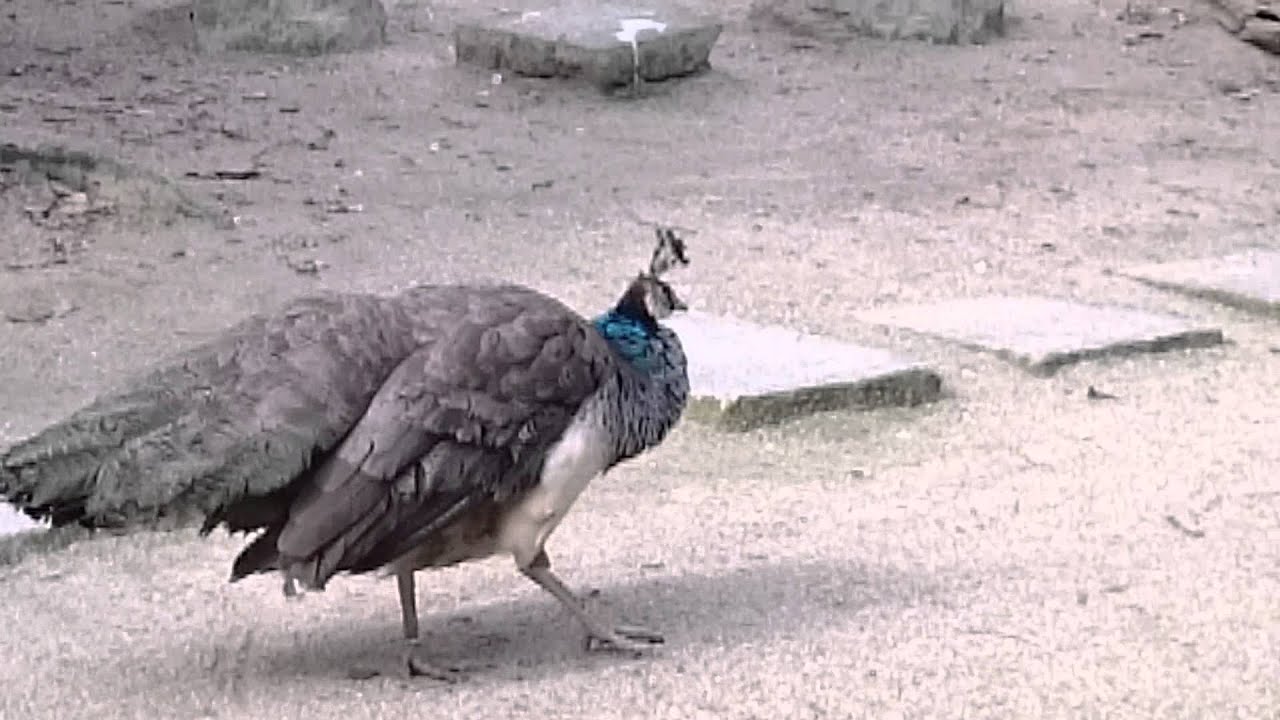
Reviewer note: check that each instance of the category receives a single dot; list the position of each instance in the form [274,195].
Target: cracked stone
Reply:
[608,44]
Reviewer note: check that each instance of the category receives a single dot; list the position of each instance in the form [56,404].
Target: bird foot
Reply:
[625,638]
[423,667]
[415,665]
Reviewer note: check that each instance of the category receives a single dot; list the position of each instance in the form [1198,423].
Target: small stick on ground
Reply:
[1180,527]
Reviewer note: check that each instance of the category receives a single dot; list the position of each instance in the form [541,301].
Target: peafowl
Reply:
[358,433]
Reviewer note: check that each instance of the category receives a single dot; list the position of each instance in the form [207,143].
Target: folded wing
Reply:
[461,424]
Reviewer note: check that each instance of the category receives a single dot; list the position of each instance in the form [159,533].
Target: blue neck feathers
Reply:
[633,338]
[647,400]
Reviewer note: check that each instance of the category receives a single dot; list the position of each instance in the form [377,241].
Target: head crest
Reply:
[649,297]
[668,253]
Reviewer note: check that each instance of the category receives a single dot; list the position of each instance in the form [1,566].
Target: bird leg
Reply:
[414,659]
[408,603]
[624,638]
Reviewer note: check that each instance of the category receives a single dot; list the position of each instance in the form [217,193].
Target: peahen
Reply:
[357,433]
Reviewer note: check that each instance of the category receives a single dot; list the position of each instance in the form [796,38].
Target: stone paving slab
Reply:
[745,375]
[606,43]
[1045,334]
[1249,281]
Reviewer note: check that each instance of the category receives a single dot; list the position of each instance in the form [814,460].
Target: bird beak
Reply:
[674,300]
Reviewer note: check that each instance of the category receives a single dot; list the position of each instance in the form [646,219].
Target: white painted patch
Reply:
[632,27]
[578,458]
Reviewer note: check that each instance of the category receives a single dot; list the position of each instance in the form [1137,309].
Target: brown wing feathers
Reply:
[225,424]
[348,427]
[460,424]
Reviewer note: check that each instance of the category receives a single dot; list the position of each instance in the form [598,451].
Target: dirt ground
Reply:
[1006,552]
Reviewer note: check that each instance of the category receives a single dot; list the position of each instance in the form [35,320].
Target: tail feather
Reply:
[229,423]
[244,431]
[85,435]
[58,470]
[196,465]
[52,475]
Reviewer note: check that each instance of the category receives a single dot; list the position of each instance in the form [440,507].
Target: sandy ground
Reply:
[1004,553]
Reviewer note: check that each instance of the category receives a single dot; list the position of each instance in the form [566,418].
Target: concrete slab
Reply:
[607,43]
[1045,334]
[745,375]
[1249,281]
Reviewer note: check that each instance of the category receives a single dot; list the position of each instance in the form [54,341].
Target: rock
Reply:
[943,21]
[1249,281]
[36,308]
[940,21]
[292,27]
[1044,334]
[744,375]
[1262,32]
[83,183]
[608,44]
[1252,22]
[1231,14]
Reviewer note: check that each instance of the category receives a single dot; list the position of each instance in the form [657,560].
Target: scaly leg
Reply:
[633,639]
[417,663]
[408,603]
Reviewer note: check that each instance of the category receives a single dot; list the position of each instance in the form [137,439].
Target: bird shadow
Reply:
[529,637]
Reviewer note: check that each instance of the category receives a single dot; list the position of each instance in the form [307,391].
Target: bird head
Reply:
[648,295]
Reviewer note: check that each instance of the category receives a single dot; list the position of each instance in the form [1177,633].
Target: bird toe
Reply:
[625,639]
[422,667]
[640,634]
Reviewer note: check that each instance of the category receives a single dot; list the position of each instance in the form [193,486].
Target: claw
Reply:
[599,637]
[421,667]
